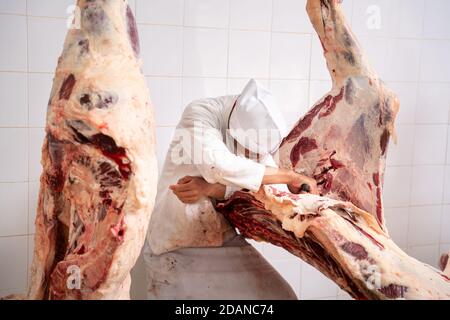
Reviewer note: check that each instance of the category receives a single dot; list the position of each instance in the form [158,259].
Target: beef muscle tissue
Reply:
[342,142]
[99,167]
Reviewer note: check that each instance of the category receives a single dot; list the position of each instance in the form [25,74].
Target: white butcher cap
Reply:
[256,122]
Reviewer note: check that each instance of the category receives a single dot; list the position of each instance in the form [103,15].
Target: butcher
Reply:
[220,146]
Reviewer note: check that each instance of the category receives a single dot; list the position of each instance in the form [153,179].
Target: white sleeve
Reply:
[267,161]
[229,190]
[217,164]
[222,166]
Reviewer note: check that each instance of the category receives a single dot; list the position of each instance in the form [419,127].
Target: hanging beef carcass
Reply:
[99,166]
[341,142]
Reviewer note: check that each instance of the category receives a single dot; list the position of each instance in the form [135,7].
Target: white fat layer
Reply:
[111,66]
[382,268]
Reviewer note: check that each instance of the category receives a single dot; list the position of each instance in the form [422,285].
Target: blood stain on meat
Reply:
[133,32]
[394,291]
[356,250]
[67,87]
[303,146]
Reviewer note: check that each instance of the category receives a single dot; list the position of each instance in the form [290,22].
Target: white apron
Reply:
[195,253]
[234,271]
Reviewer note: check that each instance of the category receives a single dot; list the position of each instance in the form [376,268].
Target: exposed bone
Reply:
[341,142]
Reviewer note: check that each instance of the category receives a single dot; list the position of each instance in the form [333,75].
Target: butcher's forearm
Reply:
[271,176]
[216,191]
[278,176]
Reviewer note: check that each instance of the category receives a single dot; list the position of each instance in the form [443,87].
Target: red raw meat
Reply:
[342,142]
[99,167]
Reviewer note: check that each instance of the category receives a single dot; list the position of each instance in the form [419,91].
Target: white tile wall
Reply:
[13,6]
[166,94]
[33,191]
[290,56]
[160,12]
[49,8]
[319,69]
[433,103]
[433,66]
[207,13]
[235,85]
[14,213]
[406,18]
[430,144]
[14,97]
[397,186]
[249,54]
[198,48]
[445,226]
[397,220]
[422,178]
[198,88]
[402,60]
[39,87]
[205,52]
[42,53]
[436,19]
[428,254]
[408,99]
[36,136]
[292,96]
[290,16]
[14,159]
[315,285]
[447,185]
[162,45]
[13,265]
[251,14]
[448,145]
[13,37]
[401,154]
[424,225]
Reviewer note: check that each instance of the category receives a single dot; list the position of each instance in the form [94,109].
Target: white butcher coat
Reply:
[191,251]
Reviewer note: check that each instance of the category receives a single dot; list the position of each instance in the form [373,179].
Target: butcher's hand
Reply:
[302,184]
[191,189]
[296,182]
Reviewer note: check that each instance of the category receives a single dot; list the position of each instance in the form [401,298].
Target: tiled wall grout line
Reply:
[443,180]
[17,235]
[413,166]
[182,56]
[270,47]
[239,78]
[228,48]
[28,140]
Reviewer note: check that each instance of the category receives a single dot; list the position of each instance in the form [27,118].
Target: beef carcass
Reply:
[99,166]
[342,142]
